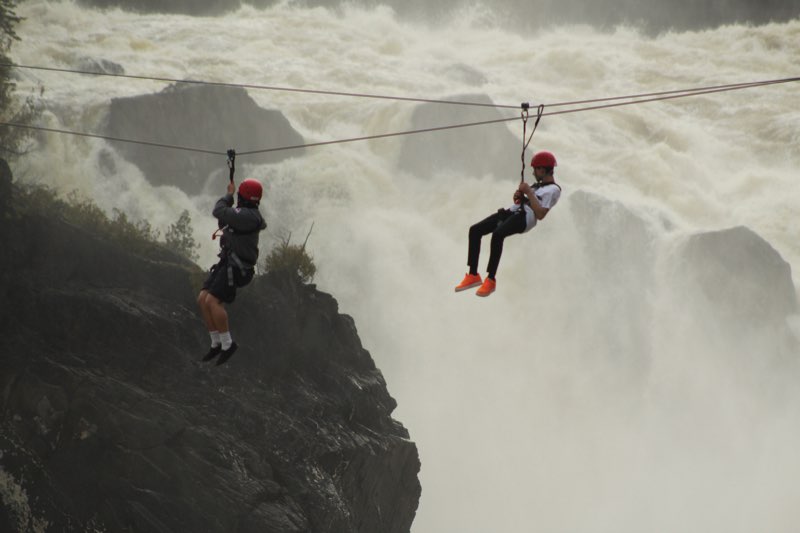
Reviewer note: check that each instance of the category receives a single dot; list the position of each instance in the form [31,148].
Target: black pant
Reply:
[500,225]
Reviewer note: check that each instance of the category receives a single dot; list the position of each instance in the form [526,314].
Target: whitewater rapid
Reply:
[526,416]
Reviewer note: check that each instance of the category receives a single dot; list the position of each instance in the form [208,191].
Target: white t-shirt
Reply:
[547,195]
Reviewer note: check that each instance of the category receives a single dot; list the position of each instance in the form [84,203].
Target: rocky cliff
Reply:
[108,422]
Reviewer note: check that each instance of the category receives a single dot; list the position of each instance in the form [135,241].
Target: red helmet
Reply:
[543,159]
[250,190]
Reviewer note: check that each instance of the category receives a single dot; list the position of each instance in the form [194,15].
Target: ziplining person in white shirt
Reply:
[531,204]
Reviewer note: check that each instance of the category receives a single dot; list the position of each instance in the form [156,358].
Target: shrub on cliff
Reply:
[138,236]
[11,108]
[292,259]
[179,237]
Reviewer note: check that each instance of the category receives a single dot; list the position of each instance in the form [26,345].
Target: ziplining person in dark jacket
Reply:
[239,227]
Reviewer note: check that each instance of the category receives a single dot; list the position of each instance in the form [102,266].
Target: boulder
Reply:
[205,117]
[473,151]
[619,244]
[741,276]
[618,240]
[187,7]
[104,66]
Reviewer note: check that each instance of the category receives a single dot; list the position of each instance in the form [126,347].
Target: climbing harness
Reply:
[542,184]
[245,272]
[525,106]
[523,201]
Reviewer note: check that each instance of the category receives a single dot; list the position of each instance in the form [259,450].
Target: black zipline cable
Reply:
[673,96]
[551,113]
[667,95]
[104,137]
[381,136]
[730,86]
[742,85]
[253,86]
[294,147]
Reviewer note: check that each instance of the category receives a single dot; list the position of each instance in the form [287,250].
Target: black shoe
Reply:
[212,353]
[226,354]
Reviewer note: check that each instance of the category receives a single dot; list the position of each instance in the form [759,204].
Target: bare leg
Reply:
[204,310]
[217,314]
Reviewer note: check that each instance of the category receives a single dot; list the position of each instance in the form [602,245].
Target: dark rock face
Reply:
[206,117]
[104,66]
[109,423]
[473,151]
[742,276]
[5,185]
[188,7]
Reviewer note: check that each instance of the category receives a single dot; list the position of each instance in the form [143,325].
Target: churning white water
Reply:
[537,409]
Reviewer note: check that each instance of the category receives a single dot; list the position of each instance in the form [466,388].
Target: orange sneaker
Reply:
[487,288]
[469,282]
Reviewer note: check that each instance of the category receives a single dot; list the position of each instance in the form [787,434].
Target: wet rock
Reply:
[619,244]
[465,74]
[187,7]
[742,277]
[104,66]
[204,117]
[473,151]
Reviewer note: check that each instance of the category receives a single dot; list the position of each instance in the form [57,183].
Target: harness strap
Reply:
[536,186]
[539,112]
[539,185]
[218,233]
[248,232]
[234,260]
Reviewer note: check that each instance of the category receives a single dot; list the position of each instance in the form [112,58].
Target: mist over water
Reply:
[594,391]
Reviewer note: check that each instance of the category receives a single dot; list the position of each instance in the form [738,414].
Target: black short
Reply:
[219,283]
